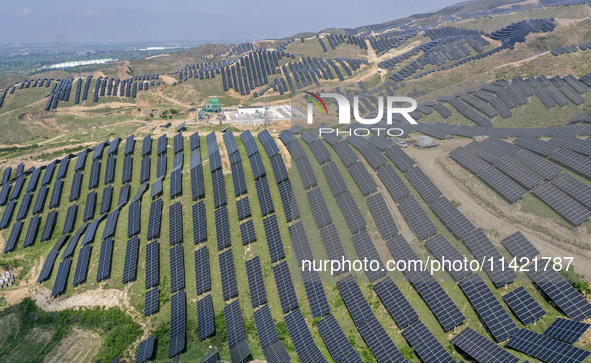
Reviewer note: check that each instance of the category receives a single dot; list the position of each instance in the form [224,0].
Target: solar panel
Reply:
[24,206]
[40,200]
[32,231]
[106,199]
[488,308]
[524,306]
[81,161]
[127,169]
[123,195]
[76,186]
[399,158]
[379,342]
[301,337]
[215,161]
[194,141]
[334,178]
[285,288]
[546,349]
[175,214]
[347,155]
[502,184]
[416,218]
[320,151]
[82,264]
[219,188]
[373,156]
[568,331]
[290,206]
[365,248]
[106,255]
[7,215]
[178,142]
[234,325]
[199,223]
[574,187]
[178,323]
[62,277]
[176,183]
[247,232]
[111,224]
[561,292]
[562,203]
[243,208]
[222,228]
[306,172]
[15,233]
[395,302]
[300,243]
[161,166]
[351,212]
[56,194]
[279,169]
[203,279]
[573,161]
[205,318]
[152,264]
[95,170]
[151,301]
[238,179]
[177,269]
[444,309]
[336,341]
[131,259]
[146,350]
[442,249]
[154,219]
[145,169]
[520,247]
[63,169]
[481,349]
[256,283]
[482,248]
[519,172]
[49,226]
[315,293]
[70,219]
[197,189]
[319,209]
[228,275]
[274,241]
[393,183]
[257,166]
[273,348]
[162,144]
[264,196]
[426,346]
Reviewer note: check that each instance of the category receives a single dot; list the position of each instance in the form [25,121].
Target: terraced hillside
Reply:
[140,227]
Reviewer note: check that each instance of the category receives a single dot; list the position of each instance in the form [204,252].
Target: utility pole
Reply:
[267,121]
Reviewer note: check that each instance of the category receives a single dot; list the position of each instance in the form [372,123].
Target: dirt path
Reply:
[525,60]
[98,297]
[489,211]
[78,346]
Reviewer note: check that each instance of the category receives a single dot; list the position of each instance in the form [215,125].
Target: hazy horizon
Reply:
[35,21]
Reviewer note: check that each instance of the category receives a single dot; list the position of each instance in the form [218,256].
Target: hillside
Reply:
[141,224]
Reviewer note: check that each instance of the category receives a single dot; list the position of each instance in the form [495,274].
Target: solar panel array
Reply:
[205,318]
[235,332]
[362,178]
[177,268]
[203,278]
[336,341]
[488,308]
[319,209]
[417,218]
[146,350]
[482,248]
[546,349]
[395,302]
[442,306]
[154,219]
[426,346]
[131,259]
[228,275]
[273,348]
[561,292]
[274,241]
[152,264]
[151,301]
[568,331]
[178,323]
[519,246]
[481,349]
[106,256]
[256,283]
[562,203]
[285,287]
[301,337]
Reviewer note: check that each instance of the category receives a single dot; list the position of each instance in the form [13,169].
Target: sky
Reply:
[63,21]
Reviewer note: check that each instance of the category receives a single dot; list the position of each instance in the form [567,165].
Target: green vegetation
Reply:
[577,280]
[118,329]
